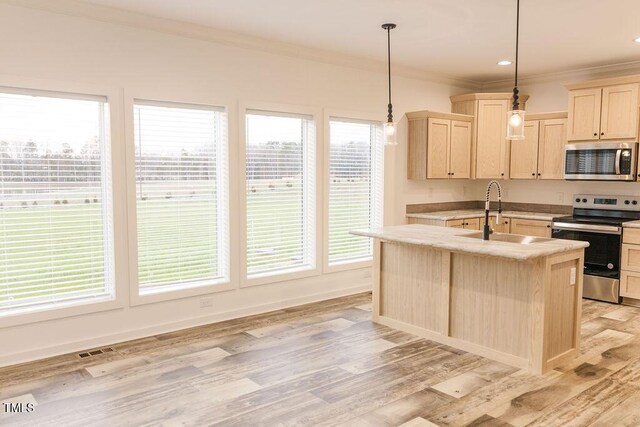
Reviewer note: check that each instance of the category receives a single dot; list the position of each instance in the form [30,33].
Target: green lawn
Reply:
[68,237]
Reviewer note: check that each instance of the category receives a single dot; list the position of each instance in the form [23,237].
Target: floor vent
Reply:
[95,352]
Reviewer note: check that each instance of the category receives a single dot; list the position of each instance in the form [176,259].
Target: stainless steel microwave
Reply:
[607,161]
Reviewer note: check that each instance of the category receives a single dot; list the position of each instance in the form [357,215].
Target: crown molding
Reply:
[577,75]
[200,32]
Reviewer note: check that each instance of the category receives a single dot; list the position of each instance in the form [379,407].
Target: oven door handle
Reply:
[618,158]
[605,229]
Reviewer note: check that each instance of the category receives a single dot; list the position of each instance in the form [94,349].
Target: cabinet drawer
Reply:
[631,235]
[630,284]
[456,223]
[425,221]
[631,257]
[502,228]
[531,227]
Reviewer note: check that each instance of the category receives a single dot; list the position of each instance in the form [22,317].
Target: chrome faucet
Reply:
[486,231]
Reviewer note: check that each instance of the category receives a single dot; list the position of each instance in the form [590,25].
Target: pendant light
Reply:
[515,117]
[390,126]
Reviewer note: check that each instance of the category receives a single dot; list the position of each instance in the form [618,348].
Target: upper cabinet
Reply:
[541,154]
[604,109]
[490,149]
[439,145]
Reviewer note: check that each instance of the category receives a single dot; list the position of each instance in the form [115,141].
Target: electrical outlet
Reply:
[206,303]
[572,276]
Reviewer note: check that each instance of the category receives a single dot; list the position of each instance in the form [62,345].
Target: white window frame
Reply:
[214,286]
[377,176]
[116,193]
[316,222]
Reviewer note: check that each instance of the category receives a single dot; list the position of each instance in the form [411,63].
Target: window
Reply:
[181,196]
[280,193]
[355,187]
[55,203]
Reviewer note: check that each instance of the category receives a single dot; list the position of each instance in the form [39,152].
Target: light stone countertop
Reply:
[452,239]
[475,213]
[631,224]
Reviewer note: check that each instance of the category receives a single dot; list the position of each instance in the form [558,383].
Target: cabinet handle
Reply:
[452,173]
[533,174]
[601,133]
[548,226]
[502,174]
[595,134]
[539,174]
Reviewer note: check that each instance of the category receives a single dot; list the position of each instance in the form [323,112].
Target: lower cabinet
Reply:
[630,264]
[503,227]
[531,227]
[630,284]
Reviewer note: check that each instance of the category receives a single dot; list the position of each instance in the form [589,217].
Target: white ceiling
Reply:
[456,38]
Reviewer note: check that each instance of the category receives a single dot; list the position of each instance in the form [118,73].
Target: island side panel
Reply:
[491,303]
[411,285]
[563,306]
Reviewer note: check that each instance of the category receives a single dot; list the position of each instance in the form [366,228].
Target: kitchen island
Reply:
[517,303]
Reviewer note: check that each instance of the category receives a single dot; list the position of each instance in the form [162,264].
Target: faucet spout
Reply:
[486,231]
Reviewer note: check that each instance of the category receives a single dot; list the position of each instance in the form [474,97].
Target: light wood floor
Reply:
[327,364]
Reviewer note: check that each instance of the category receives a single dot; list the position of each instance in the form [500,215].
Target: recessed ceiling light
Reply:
[504,62]
[637,40]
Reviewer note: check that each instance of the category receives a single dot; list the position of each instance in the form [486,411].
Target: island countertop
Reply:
[475,213]
[454,240]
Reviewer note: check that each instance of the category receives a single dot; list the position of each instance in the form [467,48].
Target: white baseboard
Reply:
[106,340]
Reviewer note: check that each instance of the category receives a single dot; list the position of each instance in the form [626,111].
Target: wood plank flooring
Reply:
[327,364]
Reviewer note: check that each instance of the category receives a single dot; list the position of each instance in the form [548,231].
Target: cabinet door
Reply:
[531,227]
[551,142]
[619,117]
[630,258]
[472,223]
[524,154]
[438,132]
[503,227]
[584,114]
[417,149]
[630,284]
[460,150]
[491,143]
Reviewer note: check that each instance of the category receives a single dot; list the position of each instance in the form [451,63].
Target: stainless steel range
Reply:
[598,220]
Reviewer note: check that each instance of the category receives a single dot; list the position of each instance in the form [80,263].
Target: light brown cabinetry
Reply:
[604,109]
[490,149]
[630,263]
[469,223]
[541,154]
[439,146]
[531,227]
[503,227]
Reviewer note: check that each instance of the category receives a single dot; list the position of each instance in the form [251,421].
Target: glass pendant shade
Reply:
[515,124]
[390,134]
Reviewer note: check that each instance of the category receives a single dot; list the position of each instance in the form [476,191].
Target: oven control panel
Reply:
[591,201]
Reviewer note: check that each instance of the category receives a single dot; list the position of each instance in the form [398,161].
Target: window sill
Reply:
[280,276]
[46,312]
[174,293]
[352,264]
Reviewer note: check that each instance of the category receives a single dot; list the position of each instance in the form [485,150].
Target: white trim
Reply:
[70,347]
[161,97]
[113,97]
[346,116]
[214,35]
[315,114]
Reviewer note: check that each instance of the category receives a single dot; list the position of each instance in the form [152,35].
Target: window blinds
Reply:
[280,192]
[355,187]
[181,183]
[55,207]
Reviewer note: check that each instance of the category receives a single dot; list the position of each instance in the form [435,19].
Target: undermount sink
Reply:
[510,238]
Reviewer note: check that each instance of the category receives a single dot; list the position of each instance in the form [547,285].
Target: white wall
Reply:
[66,48]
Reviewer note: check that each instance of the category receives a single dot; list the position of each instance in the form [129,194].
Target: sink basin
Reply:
[510,238]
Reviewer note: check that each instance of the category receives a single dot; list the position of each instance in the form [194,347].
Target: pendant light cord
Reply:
[516,102]
[389,106]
